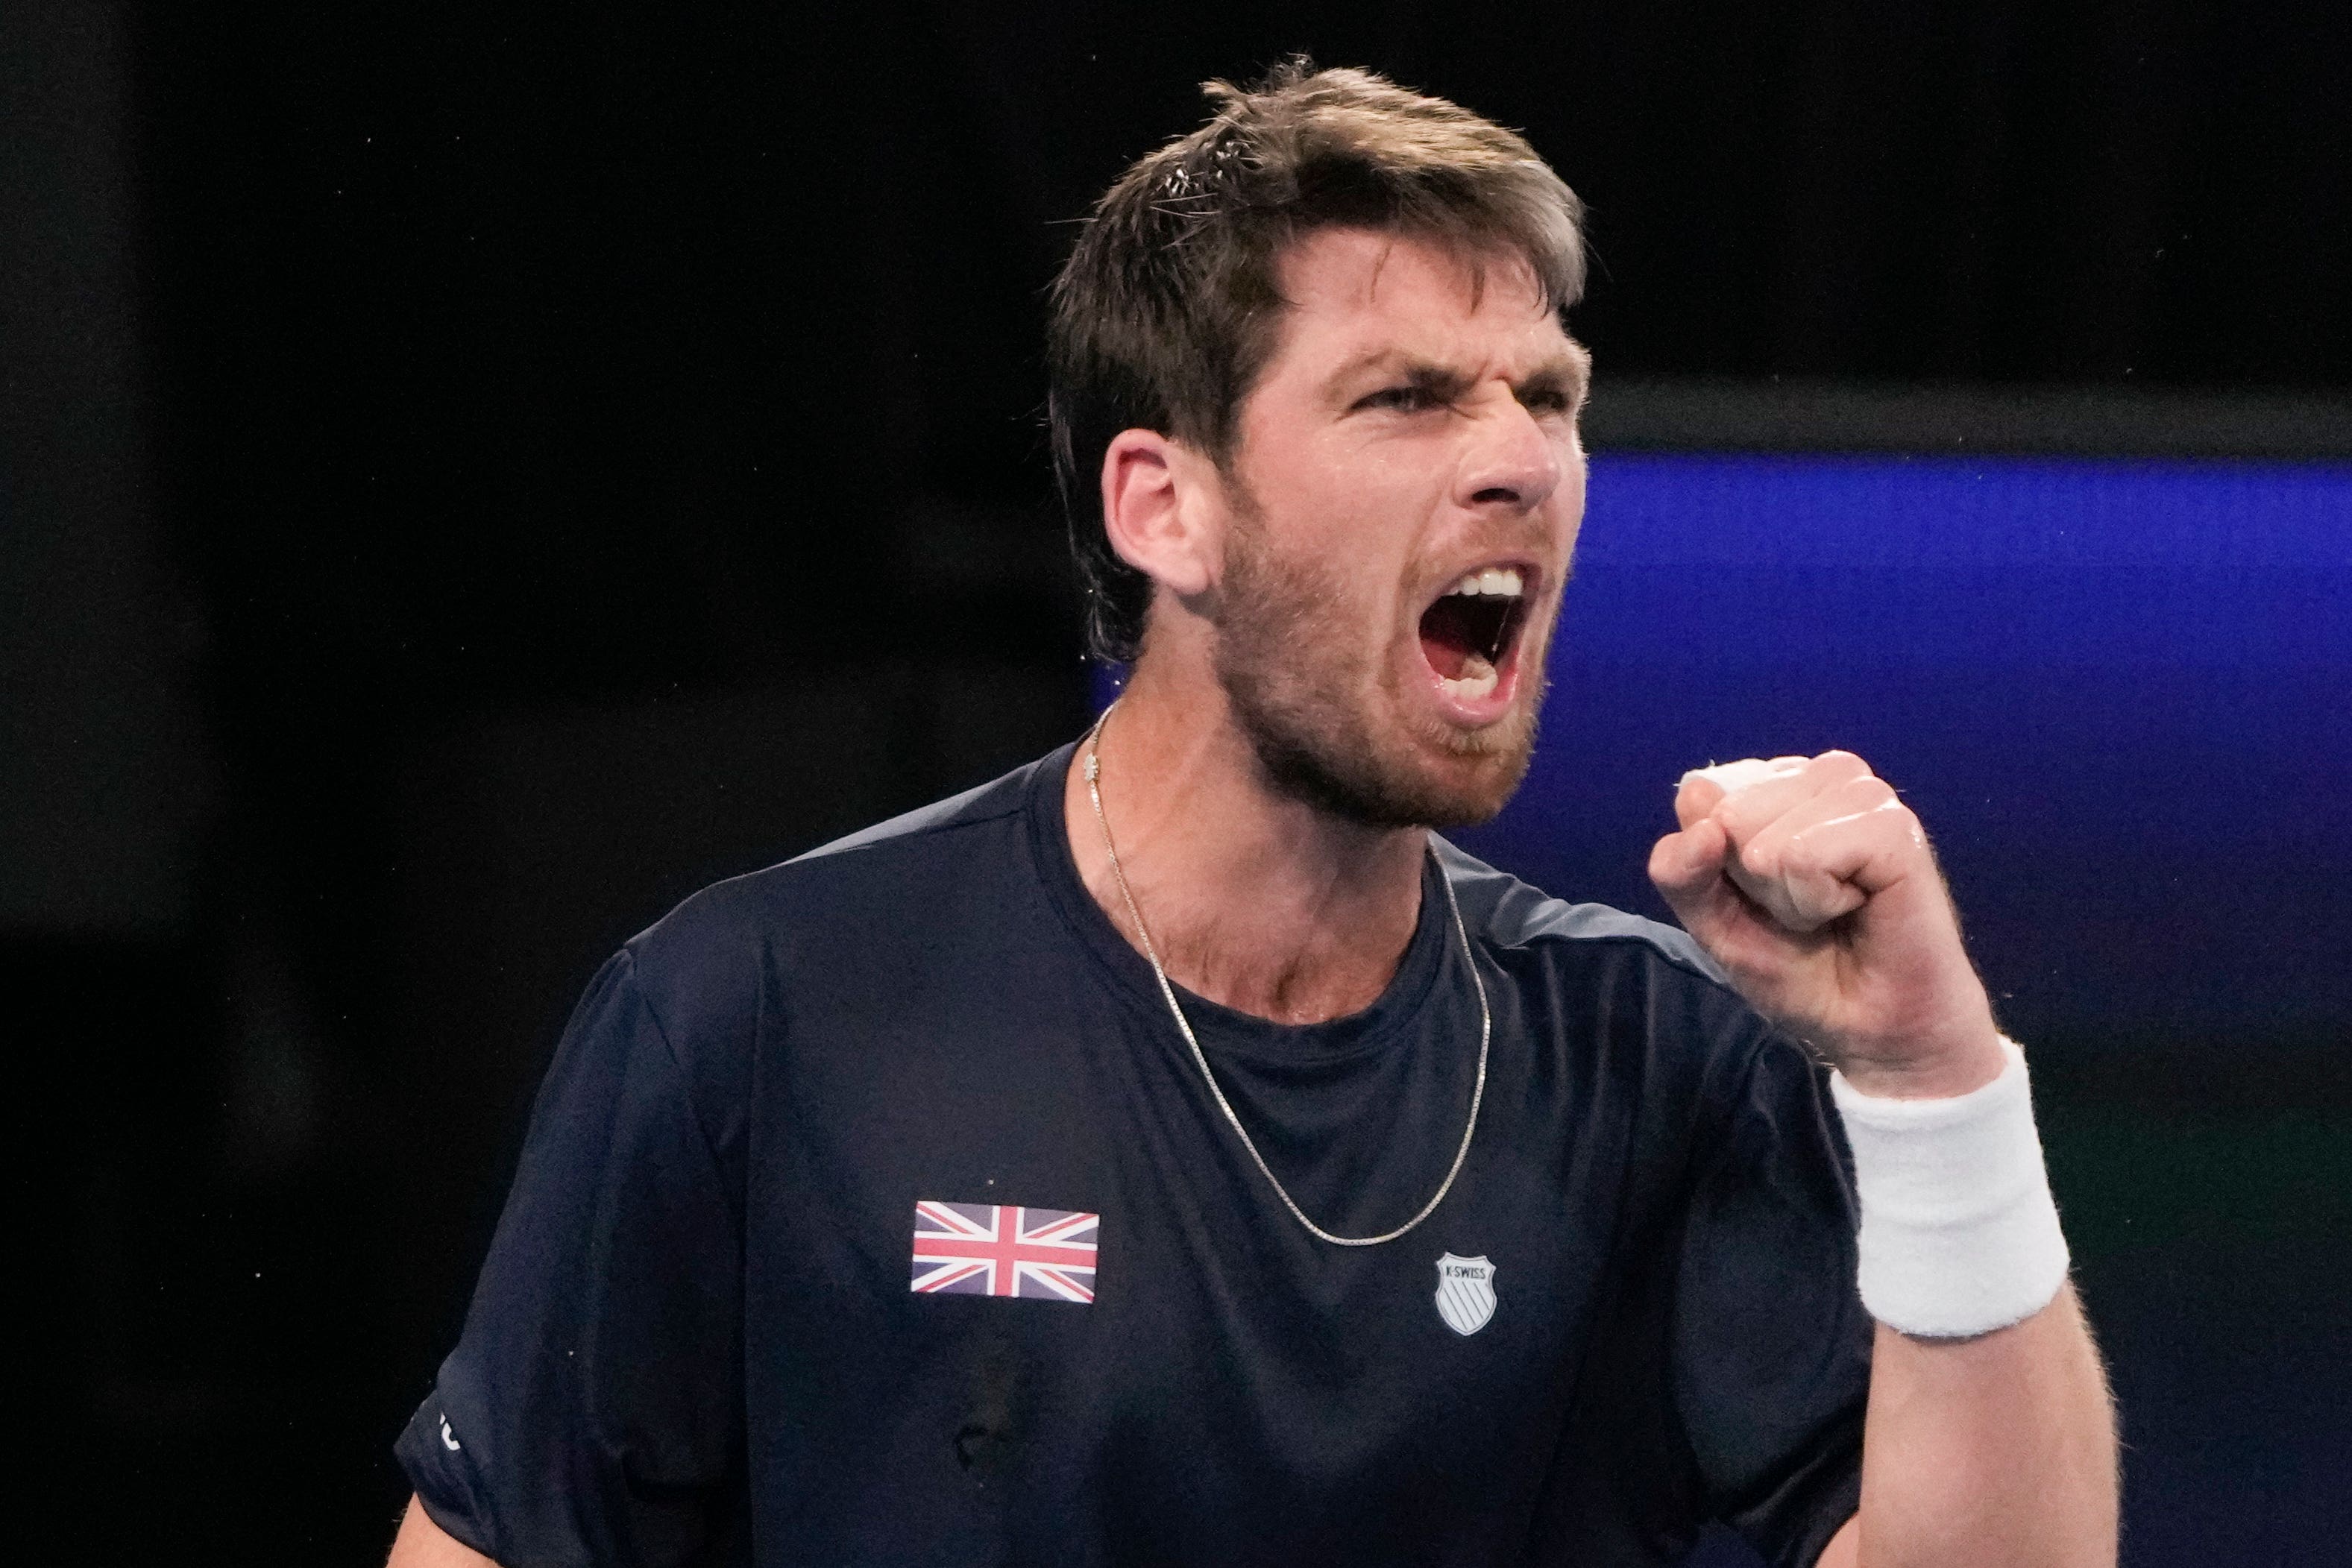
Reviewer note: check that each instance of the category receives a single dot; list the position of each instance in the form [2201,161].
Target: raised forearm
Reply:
[1810,882]
[1988,1452]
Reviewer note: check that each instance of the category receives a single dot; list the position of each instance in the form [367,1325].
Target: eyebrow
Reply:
[1568,373]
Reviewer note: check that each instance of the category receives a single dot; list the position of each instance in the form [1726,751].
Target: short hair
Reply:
[1168,309]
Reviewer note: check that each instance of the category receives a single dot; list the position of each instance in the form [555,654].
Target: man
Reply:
[1173,1153]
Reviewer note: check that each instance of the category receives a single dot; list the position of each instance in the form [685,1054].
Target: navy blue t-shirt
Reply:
[874,1211]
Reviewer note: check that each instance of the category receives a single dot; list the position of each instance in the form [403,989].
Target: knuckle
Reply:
[1804,846]
[1871,791]
[1898,821]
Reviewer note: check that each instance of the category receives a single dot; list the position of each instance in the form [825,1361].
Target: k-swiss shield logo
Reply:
[1466,1292]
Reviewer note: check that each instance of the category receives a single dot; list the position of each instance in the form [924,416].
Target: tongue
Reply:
[1451,631]
[1445,655]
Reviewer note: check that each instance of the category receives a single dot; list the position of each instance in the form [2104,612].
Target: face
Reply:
[1401,513]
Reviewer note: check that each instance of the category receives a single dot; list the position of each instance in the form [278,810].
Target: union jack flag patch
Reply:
[1002,1249]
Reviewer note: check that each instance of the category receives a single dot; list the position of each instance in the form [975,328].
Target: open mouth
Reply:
[1470,633]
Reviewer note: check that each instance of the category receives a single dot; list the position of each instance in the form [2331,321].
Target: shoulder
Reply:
[1507,913]
[1646,994]
[967,833]
[706,970]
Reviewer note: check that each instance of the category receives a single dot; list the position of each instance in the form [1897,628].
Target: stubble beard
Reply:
[1286,659]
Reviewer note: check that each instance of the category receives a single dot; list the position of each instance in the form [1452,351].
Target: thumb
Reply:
[1696,798]
[1687,868]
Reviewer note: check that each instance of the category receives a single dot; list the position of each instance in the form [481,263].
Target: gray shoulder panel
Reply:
[1510,913]
[749,900]
[984,803]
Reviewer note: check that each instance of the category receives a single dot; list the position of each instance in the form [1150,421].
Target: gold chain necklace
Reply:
[1167,990]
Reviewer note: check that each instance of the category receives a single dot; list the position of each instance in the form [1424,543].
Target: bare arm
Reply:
[1811,884]
[1995,1450]
[421,1544]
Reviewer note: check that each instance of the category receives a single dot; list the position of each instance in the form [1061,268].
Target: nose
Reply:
[1511,460]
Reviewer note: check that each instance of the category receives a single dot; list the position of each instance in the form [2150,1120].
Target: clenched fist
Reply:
[1812,885]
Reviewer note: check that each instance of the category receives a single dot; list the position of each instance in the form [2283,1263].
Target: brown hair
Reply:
[1166,312]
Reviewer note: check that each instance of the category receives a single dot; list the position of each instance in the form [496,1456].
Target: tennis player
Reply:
[1176,1153]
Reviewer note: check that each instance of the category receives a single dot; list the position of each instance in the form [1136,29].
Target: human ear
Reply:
[1154,511]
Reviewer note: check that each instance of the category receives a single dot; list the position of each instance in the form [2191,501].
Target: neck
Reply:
[1253,899]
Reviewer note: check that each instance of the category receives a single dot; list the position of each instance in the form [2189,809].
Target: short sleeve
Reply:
[1770,1347]
[592,1411]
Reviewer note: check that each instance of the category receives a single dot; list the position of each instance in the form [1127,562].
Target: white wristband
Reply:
[1958,1233]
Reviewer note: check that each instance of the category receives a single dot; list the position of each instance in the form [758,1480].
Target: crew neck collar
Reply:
[1223,1031]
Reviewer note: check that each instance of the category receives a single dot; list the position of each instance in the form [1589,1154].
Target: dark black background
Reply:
[476,473]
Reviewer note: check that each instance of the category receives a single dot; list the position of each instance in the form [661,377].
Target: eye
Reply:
[1547,400]
[1406,399]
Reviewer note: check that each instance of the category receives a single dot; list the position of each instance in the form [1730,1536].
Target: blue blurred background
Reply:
[2119,695]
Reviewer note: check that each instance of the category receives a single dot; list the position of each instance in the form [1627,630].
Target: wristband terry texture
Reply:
[1959,1234]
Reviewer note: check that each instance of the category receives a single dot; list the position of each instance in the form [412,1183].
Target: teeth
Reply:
[1500,582]
[1476,680]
